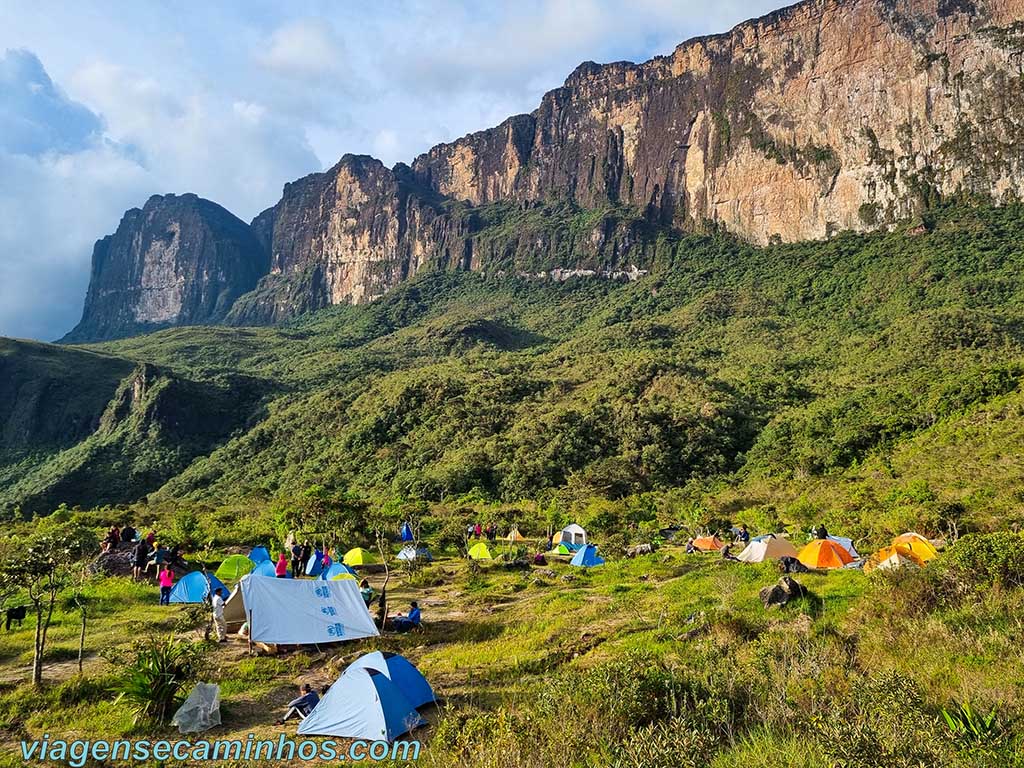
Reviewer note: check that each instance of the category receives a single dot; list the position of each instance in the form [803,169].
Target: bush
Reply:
[985,559]
[883,722]
[158,669]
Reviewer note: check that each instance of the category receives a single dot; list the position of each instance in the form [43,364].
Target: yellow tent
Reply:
[480,552]
[515,536]
[921,548]
[343,576]
[824,553]
[891,558]
[359,556]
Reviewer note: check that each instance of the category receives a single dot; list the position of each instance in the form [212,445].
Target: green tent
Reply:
[234,568]
[480,552]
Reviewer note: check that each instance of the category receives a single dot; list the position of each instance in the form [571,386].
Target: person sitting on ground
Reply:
[301,706]
[151,537]
[402,623]
[127,533]
[820,532]
[743,537]
[690,548]
[141,557]
[166,584]
[217,602]
[281,567]
[243,631]
[727,553]
[366,591]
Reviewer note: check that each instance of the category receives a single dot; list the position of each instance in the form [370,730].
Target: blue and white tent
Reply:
[587,557]
[411,553]
[259,555]
[400,671]
[406,532]
[194,588]
[363,704]
[305,611]
[334,569]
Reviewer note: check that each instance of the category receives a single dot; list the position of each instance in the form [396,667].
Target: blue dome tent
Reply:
[400,671]
[587,557]
[334,569]
[267,568]
[363,704]
[259,555]
[316,564]
[406,532]
[194,588]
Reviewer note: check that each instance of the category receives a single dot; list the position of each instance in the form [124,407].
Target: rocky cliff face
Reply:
[828,115]
[825,116]
[180,260]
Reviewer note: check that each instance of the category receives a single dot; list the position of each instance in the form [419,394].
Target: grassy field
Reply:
[666,659]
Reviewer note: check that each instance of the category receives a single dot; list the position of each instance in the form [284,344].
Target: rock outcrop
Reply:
[180,260]
[826,116]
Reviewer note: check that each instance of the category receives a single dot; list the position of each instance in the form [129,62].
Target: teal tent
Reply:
[587,557]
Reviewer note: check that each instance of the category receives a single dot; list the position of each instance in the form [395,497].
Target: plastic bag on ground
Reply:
[200,711]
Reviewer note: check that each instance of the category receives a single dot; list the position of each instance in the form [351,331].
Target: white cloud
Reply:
[305,49]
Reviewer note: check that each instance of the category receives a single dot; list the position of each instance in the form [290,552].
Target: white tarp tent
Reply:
[304,611]
[200,711]
[771,548]
[572,534]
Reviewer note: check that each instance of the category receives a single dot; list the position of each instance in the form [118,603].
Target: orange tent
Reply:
[708,543]
[824,553]
[919,547]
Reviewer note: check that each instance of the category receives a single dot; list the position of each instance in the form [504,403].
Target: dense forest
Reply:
[828,374]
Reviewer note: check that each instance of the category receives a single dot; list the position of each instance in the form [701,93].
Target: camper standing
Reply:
[218,615]
[166,585]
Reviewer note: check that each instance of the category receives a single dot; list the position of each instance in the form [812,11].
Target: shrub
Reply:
[984,559]
[155,676]
[883,722]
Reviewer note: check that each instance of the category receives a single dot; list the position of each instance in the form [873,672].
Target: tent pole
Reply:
[249,637]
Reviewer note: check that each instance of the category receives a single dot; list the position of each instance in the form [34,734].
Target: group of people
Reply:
[477,531]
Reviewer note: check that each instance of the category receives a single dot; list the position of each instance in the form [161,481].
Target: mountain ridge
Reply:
[821,117]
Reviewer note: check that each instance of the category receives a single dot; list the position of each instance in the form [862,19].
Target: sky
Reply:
[103,104]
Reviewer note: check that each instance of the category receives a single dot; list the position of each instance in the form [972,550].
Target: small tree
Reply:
[43,567]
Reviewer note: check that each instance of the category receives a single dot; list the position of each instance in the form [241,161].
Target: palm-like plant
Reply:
[155,677]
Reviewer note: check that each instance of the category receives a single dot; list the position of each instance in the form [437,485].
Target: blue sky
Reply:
[104,103]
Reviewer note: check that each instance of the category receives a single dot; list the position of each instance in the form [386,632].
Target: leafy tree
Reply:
[43,566]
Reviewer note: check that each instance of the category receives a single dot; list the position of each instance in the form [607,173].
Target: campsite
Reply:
[656,656]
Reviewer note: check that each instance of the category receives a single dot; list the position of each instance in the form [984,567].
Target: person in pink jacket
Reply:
[281,567]
[166,583]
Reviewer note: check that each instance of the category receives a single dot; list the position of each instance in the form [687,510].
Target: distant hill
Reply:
[864,361]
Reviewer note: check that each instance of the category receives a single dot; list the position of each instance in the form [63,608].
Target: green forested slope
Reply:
[811,368]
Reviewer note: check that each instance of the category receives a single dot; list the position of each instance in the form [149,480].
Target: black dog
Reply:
[13,616]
